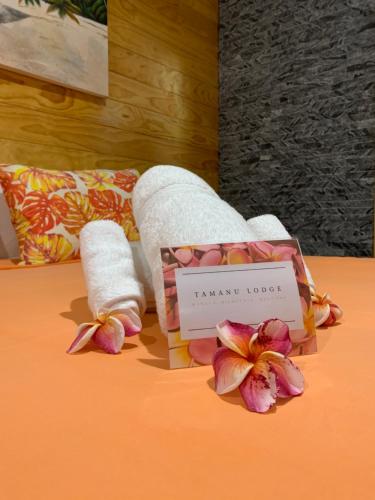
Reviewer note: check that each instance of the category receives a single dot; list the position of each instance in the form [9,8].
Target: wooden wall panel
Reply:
[162,107]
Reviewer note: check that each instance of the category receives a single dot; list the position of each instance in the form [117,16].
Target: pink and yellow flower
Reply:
[238,256]
[326,313]
[262,251]
[255,361]
[188,353]
[185,256]
[108,331]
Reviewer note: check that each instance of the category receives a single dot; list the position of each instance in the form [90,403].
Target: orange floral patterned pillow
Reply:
[49,208]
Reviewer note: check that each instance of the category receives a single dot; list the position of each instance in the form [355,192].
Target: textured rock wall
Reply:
[297,117]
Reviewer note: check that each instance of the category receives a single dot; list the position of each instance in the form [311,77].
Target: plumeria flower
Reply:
[211,255]
[262,251]
[236,253]
[190,353]
[326,313]
[108,331]
[255,360]
[238,256]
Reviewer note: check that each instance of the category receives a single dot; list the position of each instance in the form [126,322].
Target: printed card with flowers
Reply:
[232,261]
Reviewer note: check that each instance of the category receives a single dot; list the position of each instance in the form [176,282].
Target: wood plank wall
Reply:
[163,103]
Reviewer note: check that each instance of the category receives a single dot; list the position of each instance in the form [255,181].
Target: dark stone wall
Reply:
[297,116]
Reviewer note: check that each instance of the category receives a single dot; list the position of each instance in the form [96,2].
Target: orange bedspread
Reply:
[95,426]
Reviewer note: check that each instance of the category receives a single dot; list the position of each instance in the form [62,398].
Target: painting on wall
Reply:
[61,41]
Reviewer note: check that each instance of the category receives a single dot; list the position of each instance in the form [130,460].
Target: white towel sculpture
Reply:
[174,207]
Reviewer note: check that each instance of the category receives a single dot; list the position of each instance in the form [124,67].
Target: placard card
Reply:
[205,296]
[243,282]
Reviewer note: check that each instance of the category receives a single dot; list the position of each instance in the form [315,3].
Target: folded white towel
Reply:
[108,266]
[174,207]
[160,179]
[269,227]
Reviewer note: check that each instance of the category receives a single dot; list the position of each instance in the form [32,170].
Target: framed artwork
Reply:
[61,41]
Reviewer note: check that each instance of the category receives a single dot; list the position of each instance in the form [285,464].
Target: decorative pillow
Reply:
[48,208]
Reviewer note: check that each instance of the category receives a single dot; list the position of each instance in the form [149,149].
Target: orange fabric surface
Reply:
[7,263]
[14,264]
[95,426]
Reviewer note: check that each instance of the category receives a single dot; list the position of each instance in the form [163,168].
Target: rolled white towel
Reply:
[115,295]
[269,227]
[108,267]
[174,207]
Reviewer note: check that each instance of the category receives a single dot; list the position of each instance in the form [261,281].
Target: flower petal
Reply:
[336,311]
[194,262]
[236,336]
[335,314]
[203,350]
[321,313]
[210,258]
[230,370]
[84,333]
[179,357]
[130,321]
[238,256]
[261,251]
[258,390]
[283,252]
[111,336]
[184,255]
[273,335]
[289,378]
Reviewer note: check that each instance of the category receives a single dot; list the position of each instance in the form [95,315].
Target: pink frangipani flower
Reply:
[326,313]
[108,331]
[255,360]
[185,256]
[210,258]
[263,251]
[238,256]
